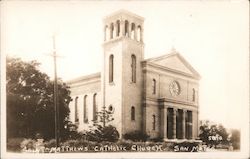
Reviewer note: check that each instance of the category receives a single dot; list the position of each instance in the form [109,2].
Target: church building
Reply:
[158,96]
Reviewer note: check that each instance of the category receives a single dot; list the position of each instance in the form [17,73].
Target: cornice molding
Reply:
[156,68]
[169,100]
[121,39]
[84,83]
[85,79]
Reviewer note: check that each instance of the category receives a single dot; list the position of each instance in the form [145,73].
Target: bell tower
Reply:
[122,74]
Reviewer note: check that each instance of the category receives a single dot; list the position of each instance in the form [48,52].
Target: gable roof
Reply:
[174,61]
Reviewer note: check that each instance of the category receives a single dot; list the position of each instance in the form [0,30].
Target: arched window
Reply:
[139,33]
[133,31]
[94,107]
[76,110]
[133,68]
[126,28]
[85,109]
[111,31]
[154,86]
[111,68]
[118,28]
[154,122]
[193,94]
[132,113]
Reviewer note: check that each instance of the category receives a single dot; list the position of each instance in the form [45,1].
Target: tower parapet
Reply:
[123,24]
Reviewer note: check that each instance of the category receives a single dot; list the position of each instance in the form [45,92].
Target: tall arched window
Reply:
[111,31]
[85,109]
[154,86]
[154,122]
[126,28]
[132,31]
[111,68]
[132,113]
[118,28]
[76,110]
[94,107]
[193,94]
[139,33]
[133,68]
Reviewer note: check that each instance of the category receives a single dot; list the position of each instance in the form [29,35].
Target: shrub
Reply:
[136,136]
[50,143]
[168,146]
[235,139]
[236,145]
[28,144]
[108,133]
[14,144]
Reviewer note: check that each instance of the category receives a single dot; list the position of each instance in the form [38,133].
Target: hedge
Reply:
[21,145]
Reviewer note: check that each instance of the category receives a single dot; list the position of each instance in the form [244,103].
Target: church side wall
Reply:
[80,91]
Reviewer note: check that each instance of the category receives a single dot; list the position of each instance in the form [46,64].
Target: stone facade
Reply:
[158,96]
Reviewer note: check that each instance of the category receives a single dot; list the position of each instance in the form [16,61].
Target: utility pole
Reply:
[56,108]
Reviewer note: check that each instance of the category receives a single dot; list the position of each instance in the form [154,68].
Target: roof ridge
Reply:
[173,53]
[161,56]
[84,77]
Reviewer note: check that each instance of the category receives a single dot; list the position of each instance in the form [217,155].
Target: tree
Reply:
[30,105]
[101,130]
[213,134]
[235,138]
[104,117]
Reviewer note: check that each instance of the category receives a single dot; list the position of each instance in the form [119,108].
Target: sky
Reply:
[212,36]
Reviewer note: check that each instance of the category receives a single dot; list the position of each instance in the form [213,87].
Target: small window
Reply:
[85,109]
[133,68]
[132,113]
[154,122]
[154,86]
[111,68]
[133,31]
[112,31]
[193,94]
[139,33]
[118,28]
[111,108]
[126,28]
[76,110]
[94,107]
